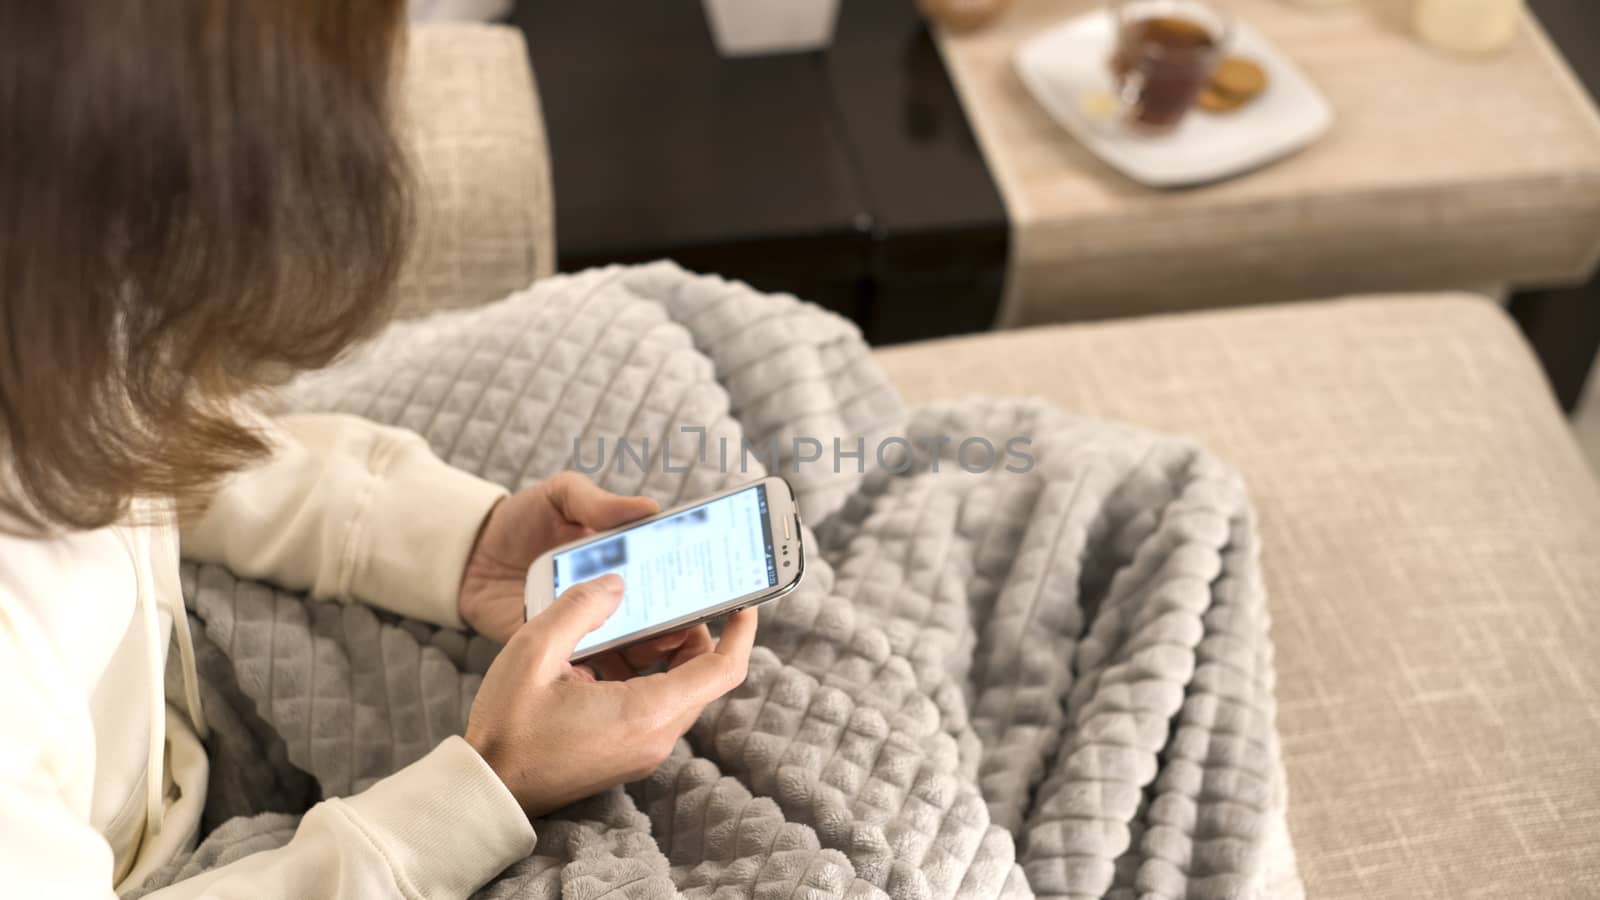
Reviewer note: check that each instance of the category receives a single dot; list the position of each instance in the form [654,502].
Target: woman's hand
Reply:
[555,735]
[563,508]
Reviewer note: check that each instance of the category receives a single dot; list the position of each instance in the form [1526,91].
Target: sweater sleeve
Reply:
[346,508]
[439,828]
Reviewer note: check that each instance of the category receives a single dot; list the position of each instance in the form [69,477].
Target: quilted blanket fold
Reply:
[1037,673]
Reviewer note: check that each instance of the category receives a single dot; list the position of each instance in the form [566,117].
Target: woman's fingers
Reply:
[698,641]
[582,501]
[673,647]
[662,647]
[579,610]
[739,635]
[612,666]
[694,682]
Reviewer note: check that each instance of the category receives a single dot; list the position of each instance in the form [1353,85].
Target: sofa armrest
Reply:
[482,168]
[1428,531]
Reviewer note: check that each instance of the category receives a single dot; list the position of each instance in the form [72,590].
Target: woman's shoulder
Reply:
[75,589]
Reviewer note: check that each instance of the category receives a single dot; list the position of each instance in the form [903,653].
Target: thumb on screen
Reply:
[610,510]
[592,506]
[579,610]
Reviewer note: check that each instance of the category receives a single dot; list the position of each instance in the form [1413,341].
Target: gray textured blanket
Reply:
[1052,682]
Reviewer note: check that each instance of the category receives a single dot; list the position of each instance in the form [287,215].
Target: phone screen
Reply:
[683,564]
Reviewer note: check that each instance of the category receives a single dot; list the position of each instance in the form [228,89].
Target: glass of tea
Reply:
[1166,52]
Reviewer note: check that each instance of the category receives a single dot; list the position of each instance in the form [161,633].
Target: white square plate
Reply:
[1068,70]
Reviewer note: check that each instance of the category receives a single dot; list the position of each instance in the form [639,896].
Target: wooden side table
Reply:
[1439,173]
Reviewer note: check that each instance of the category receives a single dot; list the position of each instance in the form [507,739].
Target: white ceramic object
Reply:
[458,10]
[1469,26]
[1067,69]
[761,27]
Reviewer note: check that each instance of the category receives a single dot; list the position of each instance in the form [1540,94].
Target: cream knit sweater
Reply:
[101,782]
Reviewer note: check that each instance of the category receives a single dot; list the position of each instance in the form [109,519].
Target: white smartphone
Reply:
[683,566]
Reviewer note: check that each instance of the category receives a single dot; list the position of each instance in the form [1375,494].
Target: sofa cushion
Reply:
[1432,553]
[471,115]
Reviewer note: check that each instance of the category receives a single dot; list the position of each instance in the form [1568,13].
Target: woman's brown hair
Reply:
[191,192]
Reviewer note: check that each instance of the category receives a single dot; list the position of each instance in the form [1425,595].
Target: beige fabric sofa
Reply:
[1432,535]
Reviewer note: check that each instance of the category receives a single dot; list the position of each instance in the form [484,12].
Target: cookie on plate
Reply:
[1235,83]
